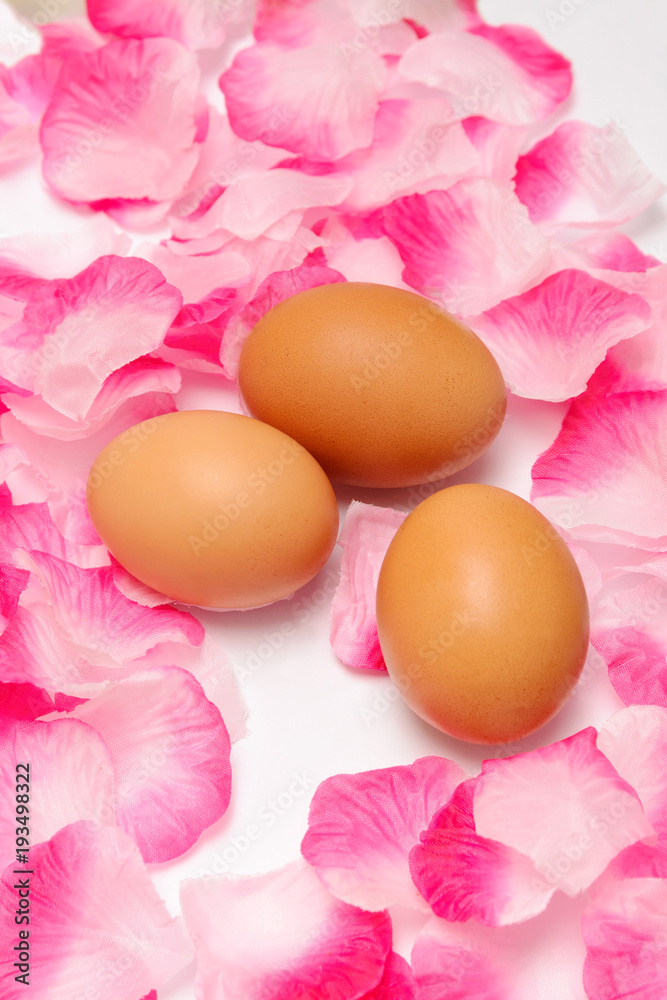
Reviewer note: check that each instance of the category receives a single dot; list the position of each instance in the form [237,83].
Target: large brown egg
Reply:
[482,614]
[380,385]
[213,509]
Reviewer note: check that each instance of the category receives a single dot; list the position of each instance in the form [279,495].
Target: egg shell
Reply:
[213,509]
[482,614]
[379,384]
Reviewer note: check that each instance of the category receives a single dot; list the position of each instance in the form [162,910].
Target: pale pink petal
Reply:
[12,456]
[71,778]
[613,251]
[365,538]
[19,138]
[98,919]
[507,74]
[462,874]
[121,122]
[196,24]
[434,15]
[63,255]
[280,285]
[635,741]
[134,589]
[375,260]
[564,806]
[170,753]
[196,277]
[497,146]
[313,945]
[629,629]
[24,701]
[471,245]
[641,363]
[445,965]
[549,340]
[604,477]
[314,100]
[624,931]
[397,983]
[68,341]
[581,175]
[29,526]
[361,828]
[295,23]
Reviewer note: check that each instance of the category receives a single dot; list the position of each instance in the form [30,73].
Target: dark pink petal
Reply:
[365,538]
[121,122]
[472,245]
[361,828]
[29,526]
[314,100]
[280,285]
[613,251]
[13,582]
[71,778]
[24,701]
[397,983]
[170,753]
[581,175]
[564,806]
[447,966]
[549,341]
[624,931]
[96,920]
[196,24]
[318,945]
[604,476]
[507,74]
[635,741]
[199,327]
[462,874]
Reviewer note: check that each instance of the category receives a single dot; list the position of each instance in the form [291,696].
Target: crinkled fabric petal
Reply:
[564,806]
[68,341]
[200,326]
[549,341]
[624,931]
[13,582]
[605,477]
[444,965]
[613,251]
[581,175]
[276,287]
[463,875]
[506,74]
[361,828]
[397,983]
[95,919]
[365,538]
[497,146]
[313,943]
[71,778]
[635,741]
[121,122]
[471,245]
[629,629]
[170,753]
[641,363]
[24,701]
[29,526]
[64,255]
[314,100]
[196,24]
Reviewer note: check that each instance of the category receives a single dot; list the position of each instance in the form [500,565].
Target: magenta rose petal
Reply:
[315,945]
[96,920]
[122,123]
[24,701]
[361,828]
[365,538]
[71,778]
[196,24]
[549,340]
[29,526]
[472,245]
[397,983]
[581,175]
[170,753]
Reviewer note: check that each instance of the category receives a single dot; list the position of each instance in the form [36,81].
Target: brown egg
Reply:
[482,614]
[213,509]
[380,385]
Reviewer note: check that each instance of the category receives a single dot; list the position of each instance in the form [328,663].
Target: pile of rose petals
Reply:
[405,142]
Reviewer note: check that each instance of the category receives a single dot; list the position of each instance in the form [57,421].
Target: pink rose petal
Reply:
[462,874]
[581,175]
[95,917]
[444,965]
[29,526]
[314,100]
[364,538]
[603,477]
[564,806]
[471,245]
[635,741]
[314,944]
[549,340]
[397,983]
[196,24]
[121,122]
[170,753]
[64,255]
[13,582]
[71,778]
[24,701]
[361,828]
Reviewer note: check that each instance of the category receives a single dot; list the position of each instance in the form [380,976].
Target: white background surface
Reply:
[309,715]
